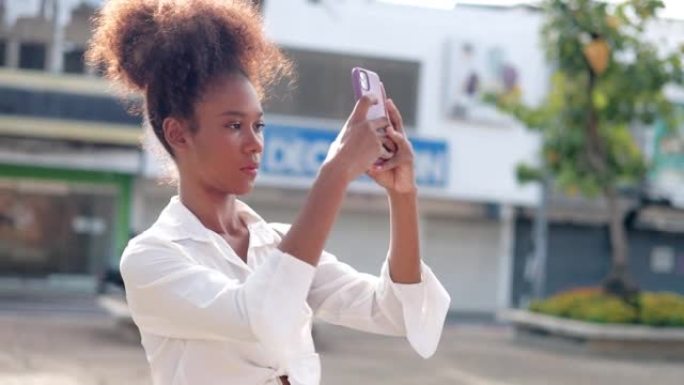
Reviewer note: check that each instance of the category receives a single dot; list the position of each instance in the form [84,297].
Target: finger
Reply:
[399,139]
[384,98]
[394,135]
[387,150]
[361,108]
[372,172]
[387,165]
[379,125]
[374,175]
[395,116]
[376,167]
[388,143]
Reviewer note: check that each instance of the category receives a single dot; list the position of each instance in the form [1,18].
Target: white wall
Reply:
[483,157]
[465,256]
[357,238]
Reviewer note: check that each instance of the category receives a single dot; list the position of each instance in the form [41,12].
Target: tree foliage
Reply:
[608,80]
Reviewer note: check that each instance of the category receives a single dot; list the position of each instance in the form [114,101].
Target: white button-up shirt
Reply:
[207,318]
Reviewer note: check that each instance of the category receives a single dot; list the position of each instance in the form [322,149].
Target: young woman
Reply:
[219,295]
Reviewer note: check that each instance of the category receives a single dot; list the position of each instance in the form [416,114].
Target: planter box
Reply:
[632,340]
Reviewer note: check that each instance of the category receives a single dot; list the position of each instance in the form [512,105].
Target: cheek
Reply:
[213,141]
[209,147]
[223,148]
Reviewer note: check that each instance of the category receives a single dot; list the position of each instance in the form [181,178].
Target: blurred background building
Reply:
[75,183]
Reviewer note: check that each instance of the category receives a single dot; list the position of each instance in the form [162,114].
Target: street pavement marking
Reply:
[37,379]
[471,379]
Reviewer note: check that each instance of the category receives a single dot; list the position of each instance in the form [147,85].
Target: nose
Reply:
[253,142]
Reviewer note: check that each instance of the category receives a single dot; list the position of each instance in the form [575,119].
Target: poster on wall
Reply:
[472,71]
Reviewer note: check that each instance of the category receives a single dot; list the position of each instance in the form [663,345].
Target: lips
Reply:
[251,169]
[251,166]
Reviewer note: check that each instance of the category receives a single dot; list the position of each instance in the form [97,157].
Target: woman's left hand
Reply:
[396,174]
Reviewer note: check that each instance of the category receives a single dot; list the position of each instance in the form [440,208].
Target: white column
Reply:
[12,52]
[506,250]
[138,204]
[55,59]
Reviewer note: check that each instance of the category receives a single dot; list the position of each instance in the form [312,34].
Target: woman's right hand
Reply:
[353,152]
[358,144]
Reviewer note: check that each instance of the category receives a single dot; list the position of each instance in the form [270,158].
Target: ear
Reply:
[177,134]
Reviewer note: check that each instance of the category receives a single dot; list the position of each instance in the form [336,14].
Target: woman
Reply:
[219,296]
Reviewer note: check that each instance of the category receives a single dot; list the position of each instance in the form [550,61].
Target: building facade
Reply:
[75,183]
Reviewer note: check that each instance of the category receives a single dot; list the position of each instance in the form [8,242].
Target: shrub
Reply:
[662,309]
[593,305]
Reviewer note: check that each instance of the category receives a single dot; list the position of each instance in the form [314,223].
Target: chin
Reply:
[244,190]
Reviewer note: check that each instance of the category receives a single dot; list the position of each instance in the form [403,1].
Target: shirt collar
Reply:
[176,222]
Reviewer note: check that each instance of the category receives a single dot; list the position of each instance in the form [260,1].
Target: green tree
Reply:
[608,80]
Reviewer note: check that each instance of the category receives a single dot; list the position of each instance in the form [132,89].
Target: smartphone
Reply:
[367,82]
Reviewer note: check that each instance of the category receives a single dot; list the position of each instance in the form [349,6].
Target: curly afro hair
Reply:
[171,50]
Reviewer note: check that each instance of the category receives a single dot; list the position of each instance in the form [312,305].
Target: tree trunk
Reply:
[618,281]
[595,153]
[618,237]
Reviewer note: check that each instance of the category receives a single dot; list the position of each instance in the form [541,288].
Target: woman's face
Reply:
[224,152]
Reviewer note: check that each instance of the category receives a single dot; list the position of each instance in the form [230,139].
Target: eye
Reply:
[234,125]
[259,127]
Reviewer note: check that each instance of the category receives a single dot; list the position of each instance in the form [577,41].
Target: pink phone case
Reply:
[373,86]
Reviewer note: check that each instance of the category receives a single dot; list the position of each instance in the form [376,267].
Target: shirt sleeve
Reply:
[344,296]
[170,294]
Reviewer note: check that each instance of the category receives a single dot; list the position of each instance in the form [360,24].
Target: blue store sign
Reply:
[300,151]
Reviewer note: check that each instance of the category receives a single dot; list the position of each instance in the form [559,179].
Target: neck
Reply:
[214,209]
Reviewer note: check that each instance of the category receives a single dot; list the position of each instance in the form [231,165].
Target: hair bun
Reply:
[122,44]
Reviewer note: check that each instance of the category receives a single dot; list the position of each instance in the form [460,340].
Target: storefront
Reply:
[60,223]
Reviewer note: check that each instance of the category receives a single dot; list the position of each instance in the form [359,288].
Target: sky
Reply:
[674,8]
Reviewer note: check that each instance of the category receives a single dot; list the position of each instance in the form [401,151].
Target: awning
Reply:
[76,130]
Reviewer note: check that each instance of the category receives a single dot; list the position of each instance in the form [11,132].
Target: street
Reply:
[75,343]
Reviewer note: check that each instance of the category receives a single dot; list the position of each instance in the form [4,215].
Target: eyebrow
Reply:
[240,114]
